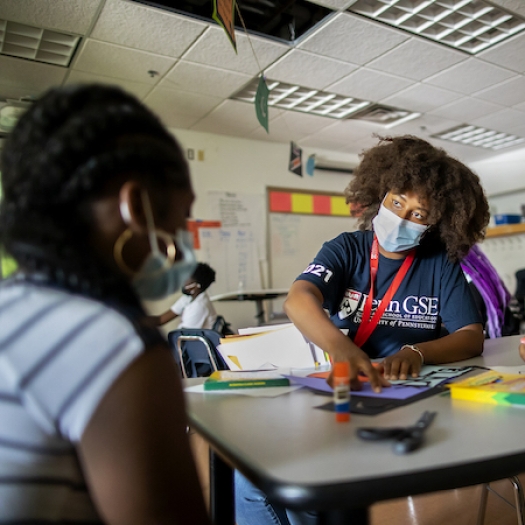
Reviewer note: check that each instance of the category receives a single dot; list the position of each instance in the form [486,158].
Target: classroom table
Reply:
[258,296]
[303,459]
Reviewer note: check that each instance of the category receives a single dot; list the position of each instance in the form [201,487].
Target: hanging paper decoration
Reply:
[224,15]
[261,103]
[296,162]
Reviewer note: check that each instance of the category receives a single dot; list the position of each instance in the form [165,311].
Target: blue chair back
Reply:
[195,350]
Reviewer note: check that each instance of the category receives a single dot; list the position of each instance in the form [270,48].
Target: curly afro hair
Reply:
[459,212]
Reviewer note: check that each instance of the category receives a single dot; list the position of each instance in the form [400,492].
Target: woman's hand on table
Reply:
[403,364]
[359,363]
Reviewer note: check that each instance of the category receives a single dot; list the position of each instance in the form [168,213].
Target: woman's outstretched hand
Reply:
[359,363]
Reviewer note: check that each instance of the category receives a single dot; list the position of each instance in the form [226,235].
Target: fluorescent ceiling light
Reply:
[34,43]
[325,104]
[469,25]
[304,100]
[479,137]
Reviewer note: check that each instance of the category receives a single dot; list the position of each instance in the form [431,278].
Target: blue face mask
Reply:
[395,234]
[160,275]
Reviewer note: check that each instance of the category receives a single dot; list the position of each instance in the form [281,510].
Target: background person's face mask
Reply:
[159,276]
[395,234]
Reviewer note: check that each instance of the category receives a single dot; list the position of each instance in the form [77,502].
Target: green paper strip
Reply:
[261,103]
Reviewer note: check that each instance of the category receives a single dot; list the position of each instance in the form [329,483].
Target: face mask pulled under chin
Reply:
[158,278]
[395,234]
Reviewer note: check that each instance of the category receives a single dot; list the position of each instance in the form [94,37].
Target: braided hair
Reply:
[72,146]
[459,211]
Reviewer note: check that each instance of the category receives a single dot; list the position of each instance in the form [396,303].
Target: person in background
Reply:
[490,293]
[393,283]
[96,193]
[194,306]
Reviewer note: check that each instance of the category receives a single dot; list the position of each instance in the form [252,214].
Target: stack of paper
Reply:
[226,379]
[491,387]
[284,347]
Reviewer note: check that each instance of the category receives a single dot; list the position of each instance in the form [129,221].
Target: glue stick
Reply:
[341,379]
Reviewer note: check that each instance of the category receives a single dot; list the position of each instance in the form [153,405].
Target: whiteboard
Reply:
[233,254]
[295,239]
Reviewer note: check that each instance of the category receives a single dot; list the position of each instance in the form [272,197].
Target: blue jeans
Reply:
[253,508]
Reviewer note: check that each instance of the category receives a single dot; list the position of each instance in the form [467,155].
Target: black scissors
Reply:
[406,439]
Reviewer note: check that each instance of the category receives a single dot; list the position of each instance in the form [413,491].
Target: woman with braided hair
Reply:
[96,194]
[394,283]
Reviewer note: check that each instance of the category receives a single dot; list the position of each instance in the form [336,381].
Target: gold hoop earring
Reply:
[125,236]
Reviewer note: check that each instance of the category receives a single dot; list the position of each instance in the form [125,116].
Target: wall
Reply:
[504,182]
[246,166]
[503,174]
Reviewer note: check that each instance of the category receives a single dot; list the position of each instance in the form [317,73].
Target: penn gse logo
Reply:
[350,304]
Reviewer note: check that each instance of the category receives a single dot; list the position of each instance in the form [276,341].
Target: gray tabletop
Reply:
[302,458]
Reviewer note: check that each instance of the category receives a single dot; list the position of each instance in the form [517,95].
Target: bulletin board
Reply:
[299,222]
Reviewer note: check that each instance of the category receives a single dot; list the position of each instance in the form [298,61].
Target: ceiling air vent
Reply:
[386,116]
[35,43]
[284,20]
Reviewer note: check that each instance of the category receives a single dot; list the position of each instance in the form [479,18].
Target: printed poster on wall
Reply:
[241,210]
[232,253]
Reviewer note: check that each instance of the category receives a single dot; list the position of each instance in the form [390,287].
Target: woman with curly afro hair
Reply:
[392,284]
[397,280]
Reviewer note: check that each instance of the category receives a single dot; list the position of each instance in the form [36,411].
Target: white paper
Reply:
[284,348]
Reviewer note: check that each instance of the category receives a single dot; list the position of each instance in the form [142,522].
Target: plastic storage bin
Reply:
[506,218]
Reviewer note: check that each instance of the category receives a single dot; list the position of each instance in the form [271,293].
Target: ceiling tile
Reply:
[417,59]
[510,54]
[463,152]
[146,28]
[423,126]
[111,60]
[352,39]
[421,98]
[73,16]
[27,77]
[516,6]
[172,101]
[291,125]
[214,49]
[136,88]
[230,118]
[348,131]
[469,76]
[509,93]
[308,70]
[520,106]
[466,110]
[519,130]
[369,85]
[505,120]
[204,79]
[334,4]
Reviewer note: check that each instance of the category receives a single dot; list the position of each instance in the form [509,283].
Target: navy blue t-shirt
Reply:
[434,291]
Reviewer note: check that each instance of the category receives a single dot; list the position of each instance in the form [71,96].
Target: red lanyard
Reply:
[368,325]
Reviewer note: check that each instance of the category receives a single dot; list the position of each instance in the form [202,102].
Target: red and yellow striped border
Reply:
[306,203]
